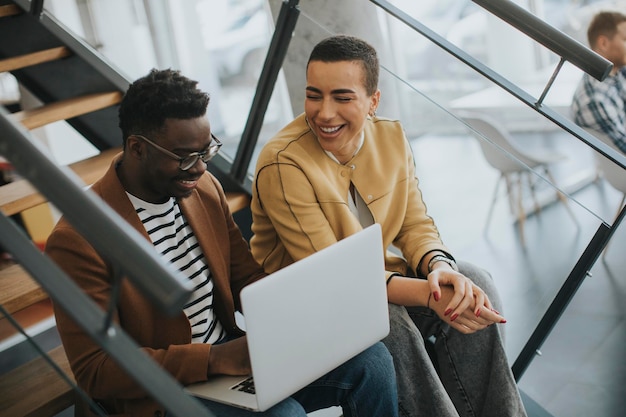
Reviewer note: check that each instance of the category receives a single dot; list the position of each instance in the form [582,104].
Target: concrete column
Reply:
[510,52]
[320,19]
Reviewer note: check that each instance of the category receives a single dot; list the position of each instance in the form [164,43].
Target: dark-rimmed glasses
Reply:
[186,162]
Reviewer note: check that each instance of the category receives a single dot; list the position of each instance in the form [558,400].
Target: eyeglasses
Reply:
[186,162]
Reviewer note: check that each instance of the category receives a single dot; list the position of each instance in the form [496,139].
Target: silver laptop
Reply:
[306,319]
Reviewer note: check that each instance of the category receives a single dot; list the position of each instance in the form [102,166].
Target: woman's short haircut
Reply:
[349,48]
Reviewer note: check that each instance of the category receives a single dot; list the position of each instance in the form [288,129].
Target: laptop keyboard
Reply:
[247,385]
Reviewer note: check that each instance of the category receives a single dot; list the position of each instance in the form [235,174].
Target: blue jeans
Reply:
[470,376]
[363,386]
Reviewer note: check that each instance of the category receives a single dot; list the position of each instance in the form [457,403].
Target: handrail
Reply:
[95,220]
[565,294]
[67,294]
[557,118]
[532,26]
[558,42]
[122,246]
[128,251]
[76,44]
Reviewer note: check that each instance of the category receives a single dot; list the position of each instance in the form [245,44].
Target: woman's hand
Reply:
[459,302]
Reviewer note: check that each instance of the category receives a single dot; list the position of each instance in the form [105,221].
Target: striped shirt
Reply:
[601,105]
[173,238]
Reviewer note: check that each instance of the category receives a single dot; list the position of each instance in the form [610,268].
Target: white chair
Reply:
[614,174]
[506,156]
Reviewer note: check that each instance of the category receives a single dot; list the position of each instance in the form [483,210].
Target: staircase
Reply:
[77,85]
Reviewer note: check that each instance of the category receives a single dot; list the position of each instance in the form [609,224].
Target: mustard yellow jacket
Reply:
[299,197]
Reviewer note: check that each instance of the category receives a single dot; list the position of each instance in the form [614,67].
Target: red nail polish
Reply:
[477,313]
[436,295]
[503,321]
[454,316]
[448,311]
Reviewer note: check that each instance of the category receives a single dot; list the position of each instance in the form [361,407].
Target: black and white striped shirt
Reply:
[174,240]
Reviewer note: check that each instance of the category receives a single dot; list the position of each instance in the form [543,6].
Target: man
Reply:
[601,105]
[160,186]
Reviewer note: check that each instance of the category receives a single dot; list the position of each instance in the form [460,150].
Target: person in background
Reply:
[338,168]
[159,184]
[601,105]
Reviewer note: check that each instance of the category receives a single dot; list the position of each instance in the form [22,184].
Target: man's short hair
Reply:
[603,24]
[160,95]
[349,48]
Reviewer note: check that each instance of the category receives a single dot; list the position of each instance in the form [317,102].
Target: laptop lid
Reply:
[310,317]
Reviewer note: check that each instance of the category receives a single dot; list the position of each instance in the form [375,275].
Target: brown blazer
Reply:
[166,339]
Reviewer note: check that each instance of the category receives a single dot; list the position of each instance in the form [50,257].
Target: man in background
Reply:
[601,105]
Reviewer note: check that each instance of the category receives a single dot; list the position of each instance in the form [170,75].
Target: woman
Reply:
[338,168]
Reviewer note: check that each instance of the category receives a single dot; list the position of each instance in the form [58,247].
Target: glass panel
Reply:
[37,386]
[220,44]
[494,43]
[576,374]
[528,258]
[581,368]
[530,247]
[237,35]
[25,336]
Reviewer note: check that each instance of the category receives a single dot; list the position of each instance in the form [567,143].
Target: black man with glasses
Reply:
[159,184]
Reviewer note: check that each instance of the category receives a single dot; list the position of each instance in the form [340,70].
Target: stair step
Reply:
[20,195]
[9,10]
[66,109]
[18,290]
[35,320]
[36,389]
[27,60]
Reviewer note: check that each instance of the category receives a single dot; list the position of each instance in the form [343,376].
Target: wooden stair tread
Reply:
[27,60]
[35,389]
[66,109]
[18,289]
[20,195]
[34,319]
[9,10]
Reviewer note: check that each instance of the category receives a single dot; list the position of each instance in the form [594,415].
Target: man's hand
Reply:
[230,358]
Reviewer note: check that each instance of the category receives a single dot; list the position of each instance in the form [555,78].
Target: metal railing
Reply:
[132,255]
[569,50]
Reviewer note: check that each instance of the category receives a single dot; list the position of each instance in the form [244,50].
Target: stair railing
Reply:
[593,64]
[125,248]
[130,253]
